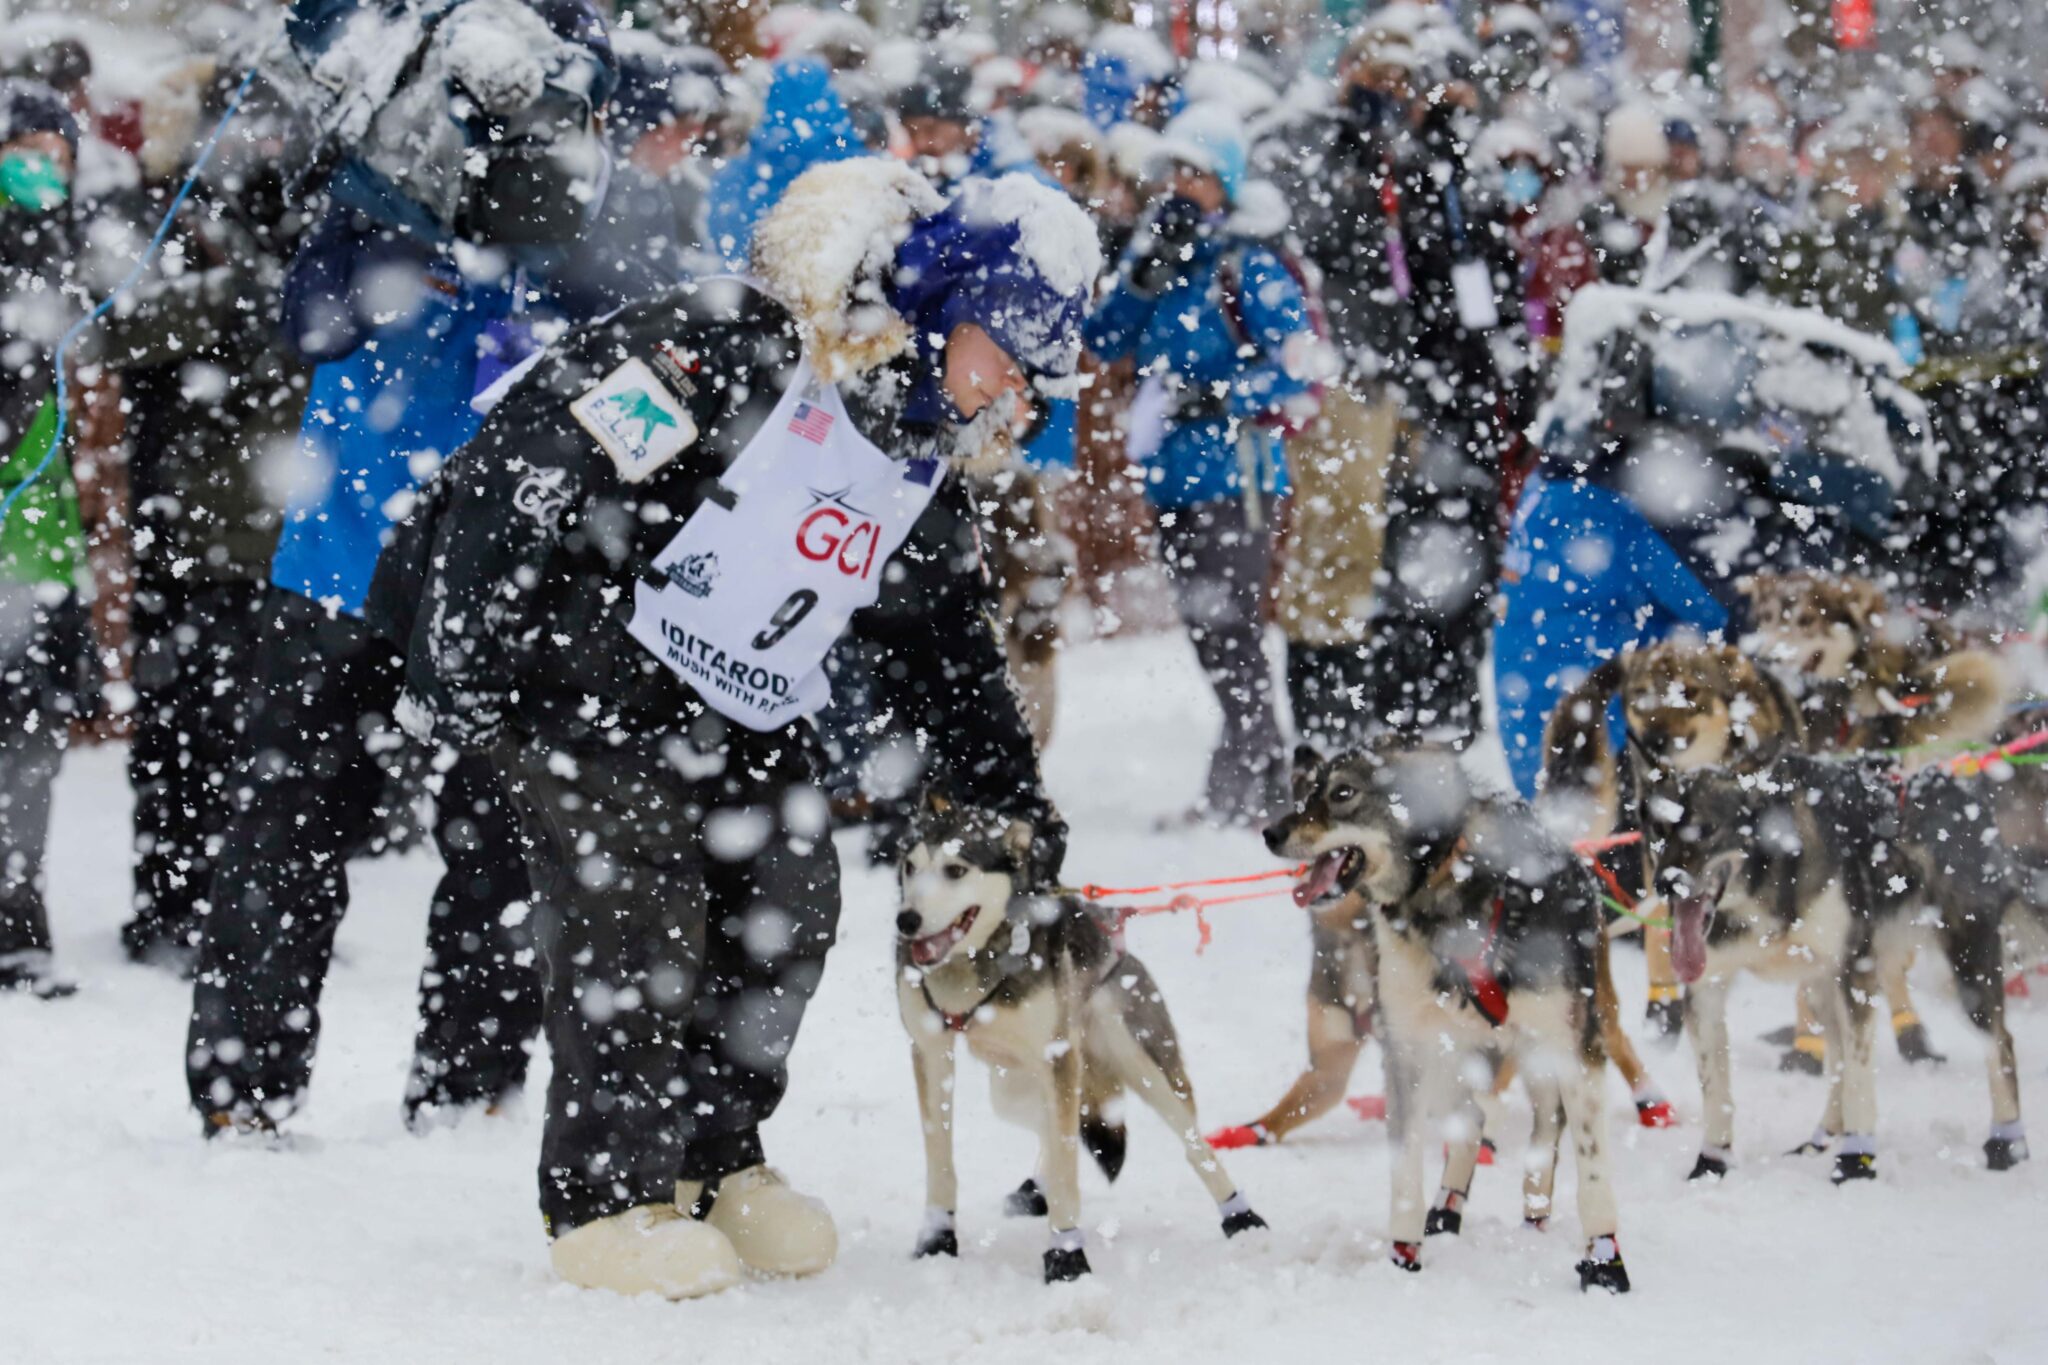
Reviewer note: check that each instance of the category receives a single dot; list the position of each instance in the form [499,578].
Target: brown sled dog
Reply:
[1687,708]
[1342,996]
[1875,674]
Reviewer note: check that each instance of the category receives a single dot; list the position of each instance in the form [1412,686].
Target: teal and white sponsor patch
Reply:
[637,420]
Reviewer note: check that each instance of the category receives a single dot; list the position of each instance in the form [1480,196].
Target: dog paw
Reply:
[1239,1135]
[946,1243]
[1447,1221]
[1655,1114]
[1610,1275]
[1817,1145]
[2002,1154]
[1914,1047]
[1062,1265]
[1408,1256]
[1026,1201]
[1242,1220]
[1536,1222]
[1801,1063]
[1854,1166]
[1709,1166]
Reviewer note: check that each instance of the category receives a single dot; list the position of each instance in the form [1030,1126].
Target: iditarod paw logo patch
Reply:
[636,420]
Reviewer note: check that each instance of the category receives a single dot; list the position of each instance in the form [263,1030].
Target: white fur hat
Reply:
[1635,137]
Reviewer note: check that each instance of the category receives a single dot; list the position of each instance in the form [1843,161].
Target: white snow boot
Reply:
[649,1250]
[775,1230]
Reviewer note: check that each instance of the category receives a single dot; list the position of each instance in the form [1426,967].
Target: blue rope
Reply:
[99,310]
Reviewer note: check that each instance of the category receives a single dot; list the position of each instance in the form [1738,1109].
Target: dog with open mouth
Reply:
[1874,673]
[1486,929]
[1040,988]
[1832,873]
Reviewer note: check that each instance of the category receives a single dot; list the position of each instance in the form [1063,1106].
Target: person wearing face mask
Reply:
[1219,323]
[45,650]
[408,294]
[623,592]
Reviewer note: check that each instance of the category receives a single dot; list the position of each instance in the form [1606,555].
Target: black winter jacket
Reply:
[508,585]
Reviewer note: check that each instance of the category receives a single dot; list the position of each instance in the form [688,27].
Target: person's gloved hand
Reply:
[1199,403]
[473,722]
[1164,243]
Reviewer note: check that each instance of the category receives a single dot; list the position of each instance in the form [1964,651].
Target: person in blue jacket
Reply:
[1213,318]
[804,123]
[387,296]
[1585,576]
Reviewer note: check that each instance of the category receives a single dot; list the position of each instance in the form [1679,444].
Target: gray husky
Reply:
[1832,873]
[1064,1018]
[1486,928]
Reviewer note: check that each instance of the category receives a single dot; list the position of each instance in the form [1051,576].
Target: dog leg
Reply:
[1410,1090]
[1707,1022]
[933,1061]
[1602,1268]
[1821,1022]
[1539,1170]
[1334,1046]
[1908,1033]
[1980,985]
[1468,1127]
[1666,1011]
[1852,1038]
[1060,1162]
[1652,1109]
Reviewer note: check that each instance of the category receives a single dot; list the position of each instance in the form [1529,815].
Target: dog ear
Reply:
[937,804]
[1018,836]
[1863,600]
[1306,758]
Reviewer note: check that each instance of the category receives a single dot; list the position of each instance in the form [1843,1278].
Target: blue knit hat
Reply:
[1208,137]
[28,107]
[1012,256]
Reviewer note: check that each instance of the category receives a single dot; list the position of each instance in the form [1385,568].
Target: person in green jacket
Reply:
[45,649]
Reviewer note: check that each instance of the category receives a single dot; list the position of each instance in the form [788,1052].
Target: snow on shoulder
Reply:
[1792,360]
[1052,231]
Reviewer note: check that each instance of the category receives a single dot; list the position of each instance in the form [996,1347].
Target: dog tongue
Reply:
[1321,879]
[1689,939]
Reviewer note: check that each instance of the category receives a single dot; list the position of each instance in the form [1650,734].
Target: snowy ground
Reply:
[124,1238]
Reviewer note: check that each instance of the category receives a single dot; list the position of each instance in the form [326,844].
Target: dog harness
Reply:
[1482,985]
[1477,977]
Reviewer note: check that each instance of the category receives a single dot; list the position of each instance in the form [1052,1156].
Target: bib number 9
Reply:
[792,611]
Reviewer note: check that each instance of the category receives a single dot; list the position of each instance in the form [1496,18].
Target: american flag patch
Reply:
[811,422]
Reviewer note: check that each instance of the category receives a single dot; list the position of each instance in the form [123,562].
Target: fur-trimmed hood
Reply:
[826,252]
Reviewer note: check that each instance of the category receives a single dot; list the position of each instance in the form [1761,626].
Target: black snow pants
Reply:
[1429,626]
[1218,562]
[684,922]
[313,794]
[43,649]
[195,647]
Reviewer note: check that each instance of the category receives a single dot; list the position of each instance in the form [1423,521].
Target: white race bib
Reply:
[764,576]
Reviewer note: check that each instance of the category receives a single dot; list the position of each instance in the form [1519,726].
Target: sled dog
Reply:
[1876,675]
[1487,930]
[1832,873]
[1043,993]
